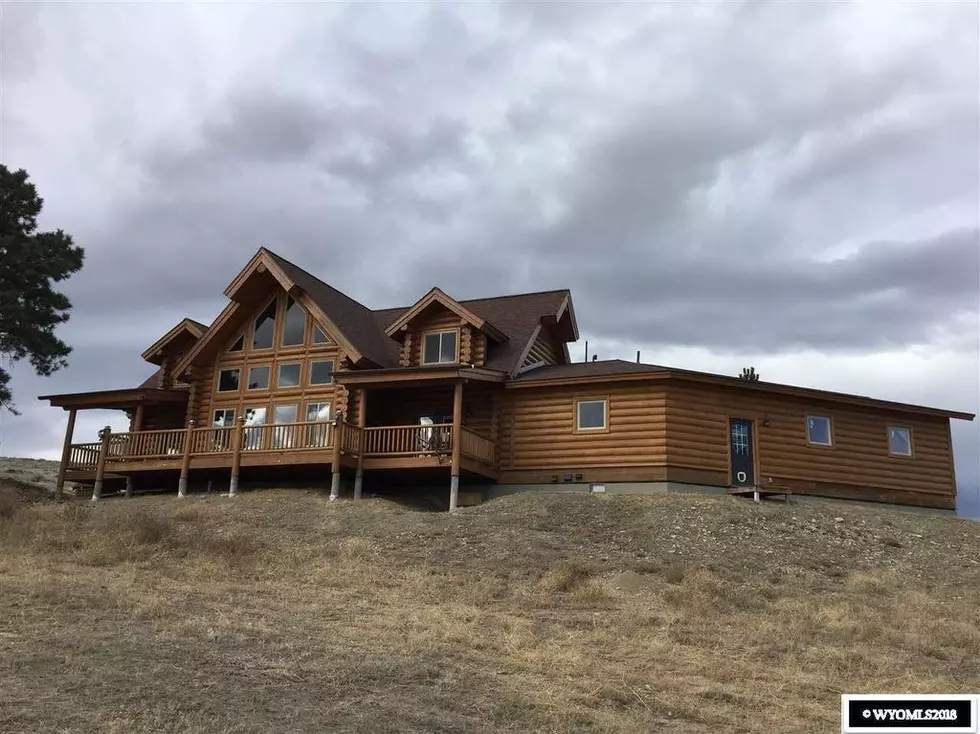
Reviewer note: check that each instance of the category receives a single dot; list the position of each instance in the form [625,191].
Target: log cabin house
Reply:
[293,374]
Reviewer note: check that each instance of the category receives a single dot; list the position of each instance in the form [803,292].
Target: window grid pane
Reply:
[258,378]
[321,373]
[288,375]
[228,380]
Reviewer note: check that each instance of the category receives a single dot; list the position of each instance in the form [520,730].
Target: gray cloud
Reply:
[755,178]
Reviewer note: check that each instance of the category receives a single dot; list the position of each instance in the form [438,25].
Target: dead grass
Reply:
[279,611]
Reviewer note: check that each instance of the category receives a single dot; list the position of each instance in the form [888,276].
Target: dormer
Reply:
[169,349]
[438,330]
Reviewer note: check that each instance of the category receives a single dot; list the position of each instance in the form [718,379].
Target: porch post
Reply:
[236,455]
[100,465]
[65,454]
[138,418]
[457,444]
[338,439]
[185,466]
[361,423]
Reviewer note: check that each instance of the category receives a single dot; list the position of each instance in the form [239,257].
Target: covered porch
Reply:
[393,424]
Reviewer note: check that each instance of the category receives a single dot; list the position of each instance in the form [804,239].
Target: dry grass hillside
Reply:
[280,611]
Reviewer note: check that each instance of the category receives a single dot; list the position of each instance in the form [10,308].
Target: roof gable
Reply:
[438,296]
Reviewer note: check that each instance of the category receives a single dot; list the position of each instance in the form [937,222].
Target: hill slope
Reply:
[280,611]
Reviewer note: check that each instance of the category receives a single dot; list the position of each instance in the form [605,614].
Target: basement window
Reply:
[228,380]
[591,415]
[439,348]
[818,430]
[899,441]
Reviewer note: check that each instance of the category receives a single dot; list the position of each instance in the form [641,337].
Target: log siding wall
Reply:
[677,432]
[537,429]
[857,465]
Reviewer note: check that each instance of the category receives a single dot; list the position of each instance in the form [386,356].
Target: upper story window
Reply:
[321,372]
[819,430]
[289,375]
[228,380]
[319,337]
[293,324]
[258,378]
[439,348]
[591,415]
[899,441]
[237,345]
[264,329]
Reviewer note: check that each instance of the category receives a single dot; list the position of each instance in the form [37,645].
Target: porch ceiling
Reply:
[115,399]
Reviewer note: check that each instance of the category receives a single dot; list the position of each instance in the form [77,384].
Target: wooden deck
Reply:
[286,444]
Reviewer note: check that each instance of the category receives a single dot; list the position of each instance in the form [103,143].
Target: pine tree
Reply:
[30,262]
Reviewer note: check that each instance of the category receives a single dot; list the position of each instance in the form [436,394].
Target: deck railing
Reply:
[414,440]
[475,446]
[84,455]
[375,441]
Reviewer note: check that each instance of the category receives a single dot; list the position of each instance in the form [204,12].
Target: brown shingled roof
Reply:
[355,320]
[605,368]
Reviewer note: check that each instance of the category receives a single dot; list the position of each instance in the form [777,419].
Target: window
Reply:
[321,373]
[288,375]
[258,378]
[254,435]
[818,431]
[591,415]
[439,348]
[317,413]
[238,345]
[319,337]
[228,380]
[265,327]
[282,436]
[899,441]
[223,418]
[294,324]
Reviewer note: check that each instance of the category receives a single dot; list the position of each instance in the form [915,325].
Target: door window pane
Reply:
[254,420]
[318,413]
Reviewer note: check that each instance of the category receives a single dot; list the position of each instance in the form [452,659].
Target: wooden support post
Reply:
[185,465]
[65,454]
[129,486]
[457,445]
[361,423]
[138,418]
[338,437]
[100,465]
[236,454]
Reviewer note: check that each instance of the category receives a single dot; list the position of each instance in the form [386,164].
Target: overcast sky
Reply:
[792,186]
